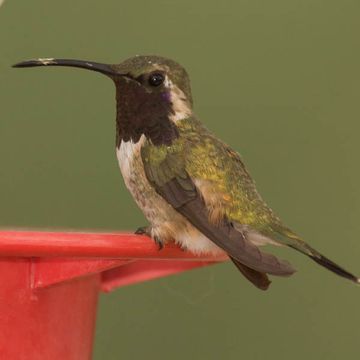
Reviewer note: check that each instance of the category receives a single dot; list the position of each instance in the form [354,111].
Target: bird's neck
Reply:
[155,119]
[160,130]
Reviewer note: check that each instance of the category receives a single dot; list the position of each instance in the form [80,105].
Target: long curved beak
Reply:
[89,65]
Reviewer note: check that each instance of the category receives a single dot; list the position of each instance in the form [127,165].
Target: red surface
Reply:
[76,244]
[51,271]
[48,324]
[142,270]
[50,281]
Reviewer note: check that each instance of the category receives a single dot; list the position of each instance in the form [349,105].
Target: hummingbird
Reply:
[192,187]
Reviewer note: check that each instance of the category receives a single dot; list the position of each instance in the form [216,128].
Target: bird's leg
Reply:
[184,248]
[143,230]
[146,230]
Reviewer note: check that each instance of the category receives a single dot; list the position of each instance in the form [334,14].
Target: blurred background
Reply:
[277,80]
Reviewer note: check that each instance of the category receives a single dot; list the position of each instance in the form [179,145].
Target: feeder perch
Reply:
[50,283]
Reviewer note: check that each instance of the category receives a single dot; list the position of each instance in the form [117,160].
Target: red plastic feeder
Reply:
[50,283]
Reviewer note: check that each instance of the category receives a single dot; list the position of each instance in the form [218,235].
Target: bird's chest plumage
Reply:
[155,208]
[166,223]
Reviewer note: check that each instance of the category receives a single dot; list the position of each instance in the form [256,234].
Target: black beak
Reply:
[89,65]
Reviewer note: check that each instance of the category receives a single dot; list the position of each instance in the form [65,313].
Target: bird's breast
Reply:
[129,158]
[166,222]
[153,206]
[132,169]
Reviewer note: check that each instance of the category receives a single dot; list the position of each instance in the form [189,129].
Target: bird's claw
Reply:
[159,243]
[144,230]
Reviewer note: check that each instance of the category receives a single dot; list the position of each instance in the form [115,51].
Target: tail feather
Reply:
[259,279]
[287,237]
[330,265]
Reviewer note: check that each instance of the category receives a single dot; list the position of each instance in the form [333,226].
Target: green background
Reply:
[277,80]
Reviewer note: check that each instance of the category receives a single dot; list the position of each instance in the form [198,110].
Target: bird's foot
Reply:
[158,242]
[143,230]
[146,230]
[184,248]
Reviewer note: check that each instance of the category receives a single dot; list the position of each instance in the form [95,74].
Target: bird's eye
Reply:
[156,79]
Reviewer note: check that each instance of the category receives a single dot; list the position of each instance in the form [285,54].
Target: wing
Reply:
[230,193]
[165,168]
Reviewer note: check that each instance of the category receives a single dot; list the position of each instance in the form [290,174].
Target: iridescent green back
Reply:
[205,157]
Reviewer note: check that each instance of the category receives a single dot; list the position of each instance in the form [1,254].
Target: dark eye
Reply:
[156,79]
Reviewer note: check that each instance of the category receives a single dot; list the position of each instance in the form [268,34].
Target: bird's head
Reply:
[152,93]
